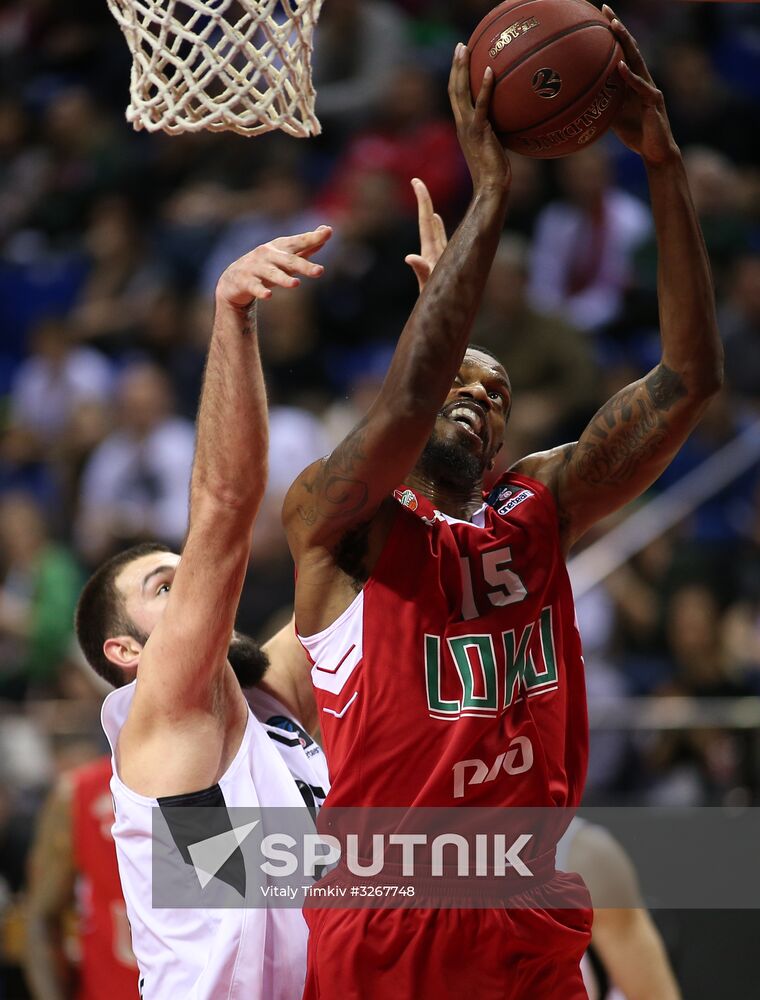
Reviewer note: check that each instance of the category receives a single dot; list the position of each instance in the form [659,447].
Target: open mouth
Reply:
[471,417]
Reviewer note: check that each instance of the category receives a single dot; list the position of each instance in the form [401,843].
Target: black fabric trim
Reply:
[289,741]
[187,828]
[211,796]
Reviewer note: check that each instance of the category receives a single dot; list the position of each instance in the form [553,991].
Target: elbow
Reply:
[704,377]
[708,381]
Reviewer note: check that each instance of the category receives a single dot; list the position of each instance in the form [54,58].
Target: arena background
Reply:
[110,246]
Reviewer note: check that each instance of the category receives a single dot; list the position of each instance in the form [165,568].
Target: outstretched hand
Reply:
[433,239]
[487,161]
[278,263]
[642,122]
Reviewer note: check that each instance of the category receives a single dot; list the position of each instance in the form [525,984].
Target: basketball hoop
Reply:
[237,65]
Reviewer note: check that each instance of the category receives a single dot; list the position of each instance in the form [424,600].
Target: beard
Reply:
[450,463]
[247,659]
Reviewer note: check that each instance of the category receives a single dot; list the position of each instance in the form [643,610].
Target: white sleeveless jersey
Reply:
[218,954]
[596,989]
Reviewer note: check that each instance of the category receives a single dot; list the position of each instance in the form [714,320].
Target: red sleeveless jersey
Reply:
[108,967]
[456,676]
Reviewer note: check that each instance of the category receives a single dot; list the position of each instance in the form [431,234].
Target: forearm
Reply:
[633,954]
[435,337]
[691,343]
[41,961]
[230,465]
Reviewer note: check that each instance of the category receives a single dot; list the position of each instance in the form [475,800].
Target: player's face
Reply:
[476,410]
[146,583]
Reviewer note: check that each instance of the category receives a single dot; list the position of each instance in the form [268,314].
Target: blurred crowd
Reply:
[111,243]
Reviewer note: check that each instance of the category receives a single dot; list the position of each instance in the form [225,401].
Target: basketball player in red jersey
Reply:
[73,866]
[440,621]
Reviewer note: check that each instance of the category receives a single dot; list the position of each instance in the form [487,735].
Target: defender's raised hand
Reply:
[433,237]
[279,263]
[642,122]
[487,161]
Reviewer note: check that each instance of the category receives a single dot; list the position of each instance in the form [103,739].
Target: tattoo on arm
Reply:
[334,489]
[665,388]
[629,430]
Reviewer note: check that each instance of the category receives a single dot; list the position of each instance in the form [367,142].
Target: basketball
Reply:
[557,85]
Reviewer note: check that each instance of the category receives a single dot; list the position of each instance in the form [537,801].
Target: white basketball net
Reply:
[239,65]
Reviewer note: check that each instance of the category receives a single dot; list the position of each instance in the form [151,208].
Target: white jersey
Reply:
[217,954]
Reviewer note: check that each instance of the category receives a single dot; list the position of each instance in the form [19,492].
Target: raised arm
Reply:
[346,489]
[186,652]
[634,436]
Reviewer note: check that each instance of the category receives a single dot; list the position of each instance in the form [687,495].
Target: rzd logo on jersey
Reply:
[517,759]
[406,498]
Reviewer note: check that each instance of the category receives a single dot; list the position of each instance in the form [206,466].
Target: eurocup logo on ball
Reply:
[547,83]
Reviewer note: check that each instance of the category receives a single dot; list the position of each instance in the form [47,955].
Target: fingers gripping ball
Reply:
[558,86]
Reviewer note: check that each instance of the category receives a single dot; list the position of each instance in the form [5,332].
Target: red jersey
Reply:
[108,967]
[456,675]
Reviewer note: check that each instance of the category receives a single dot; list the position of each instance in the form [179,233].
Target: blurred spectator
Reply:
[696,644]
[85,157]
[296,439]
[290,348]
[725,521]
[584,242]
[21,165]
[605,688]
[358,45]
[640,590]
[527,196]
[702,109]
[123,280]
[40,585]
[25,467]
[742,639]
[56,377]
[409,137]
[717,194]
[740,326]
[136,482]
[276,206]
[367,292]
[553,374]
[700,766]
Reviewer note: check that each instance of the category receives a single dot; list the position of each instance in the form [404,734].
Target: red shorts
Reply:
[512,953]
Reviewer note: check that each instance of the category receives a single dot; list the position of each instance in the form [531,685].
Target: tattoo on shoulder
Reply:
[665,387]
[631,429]
[334,488]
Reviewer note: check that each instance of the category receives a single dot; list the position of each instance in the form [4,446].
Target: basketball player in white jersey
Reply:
[627,959]
[160,629]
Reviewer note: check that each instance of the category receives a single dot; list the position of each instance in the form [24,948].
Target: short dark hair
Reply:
[101,614]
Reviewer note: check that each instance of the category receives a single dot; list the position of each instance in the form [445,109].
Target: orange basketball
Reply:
[557,86]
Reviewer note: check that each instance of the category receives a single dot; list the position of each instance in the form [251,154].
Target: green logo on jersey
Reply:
[475,661]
